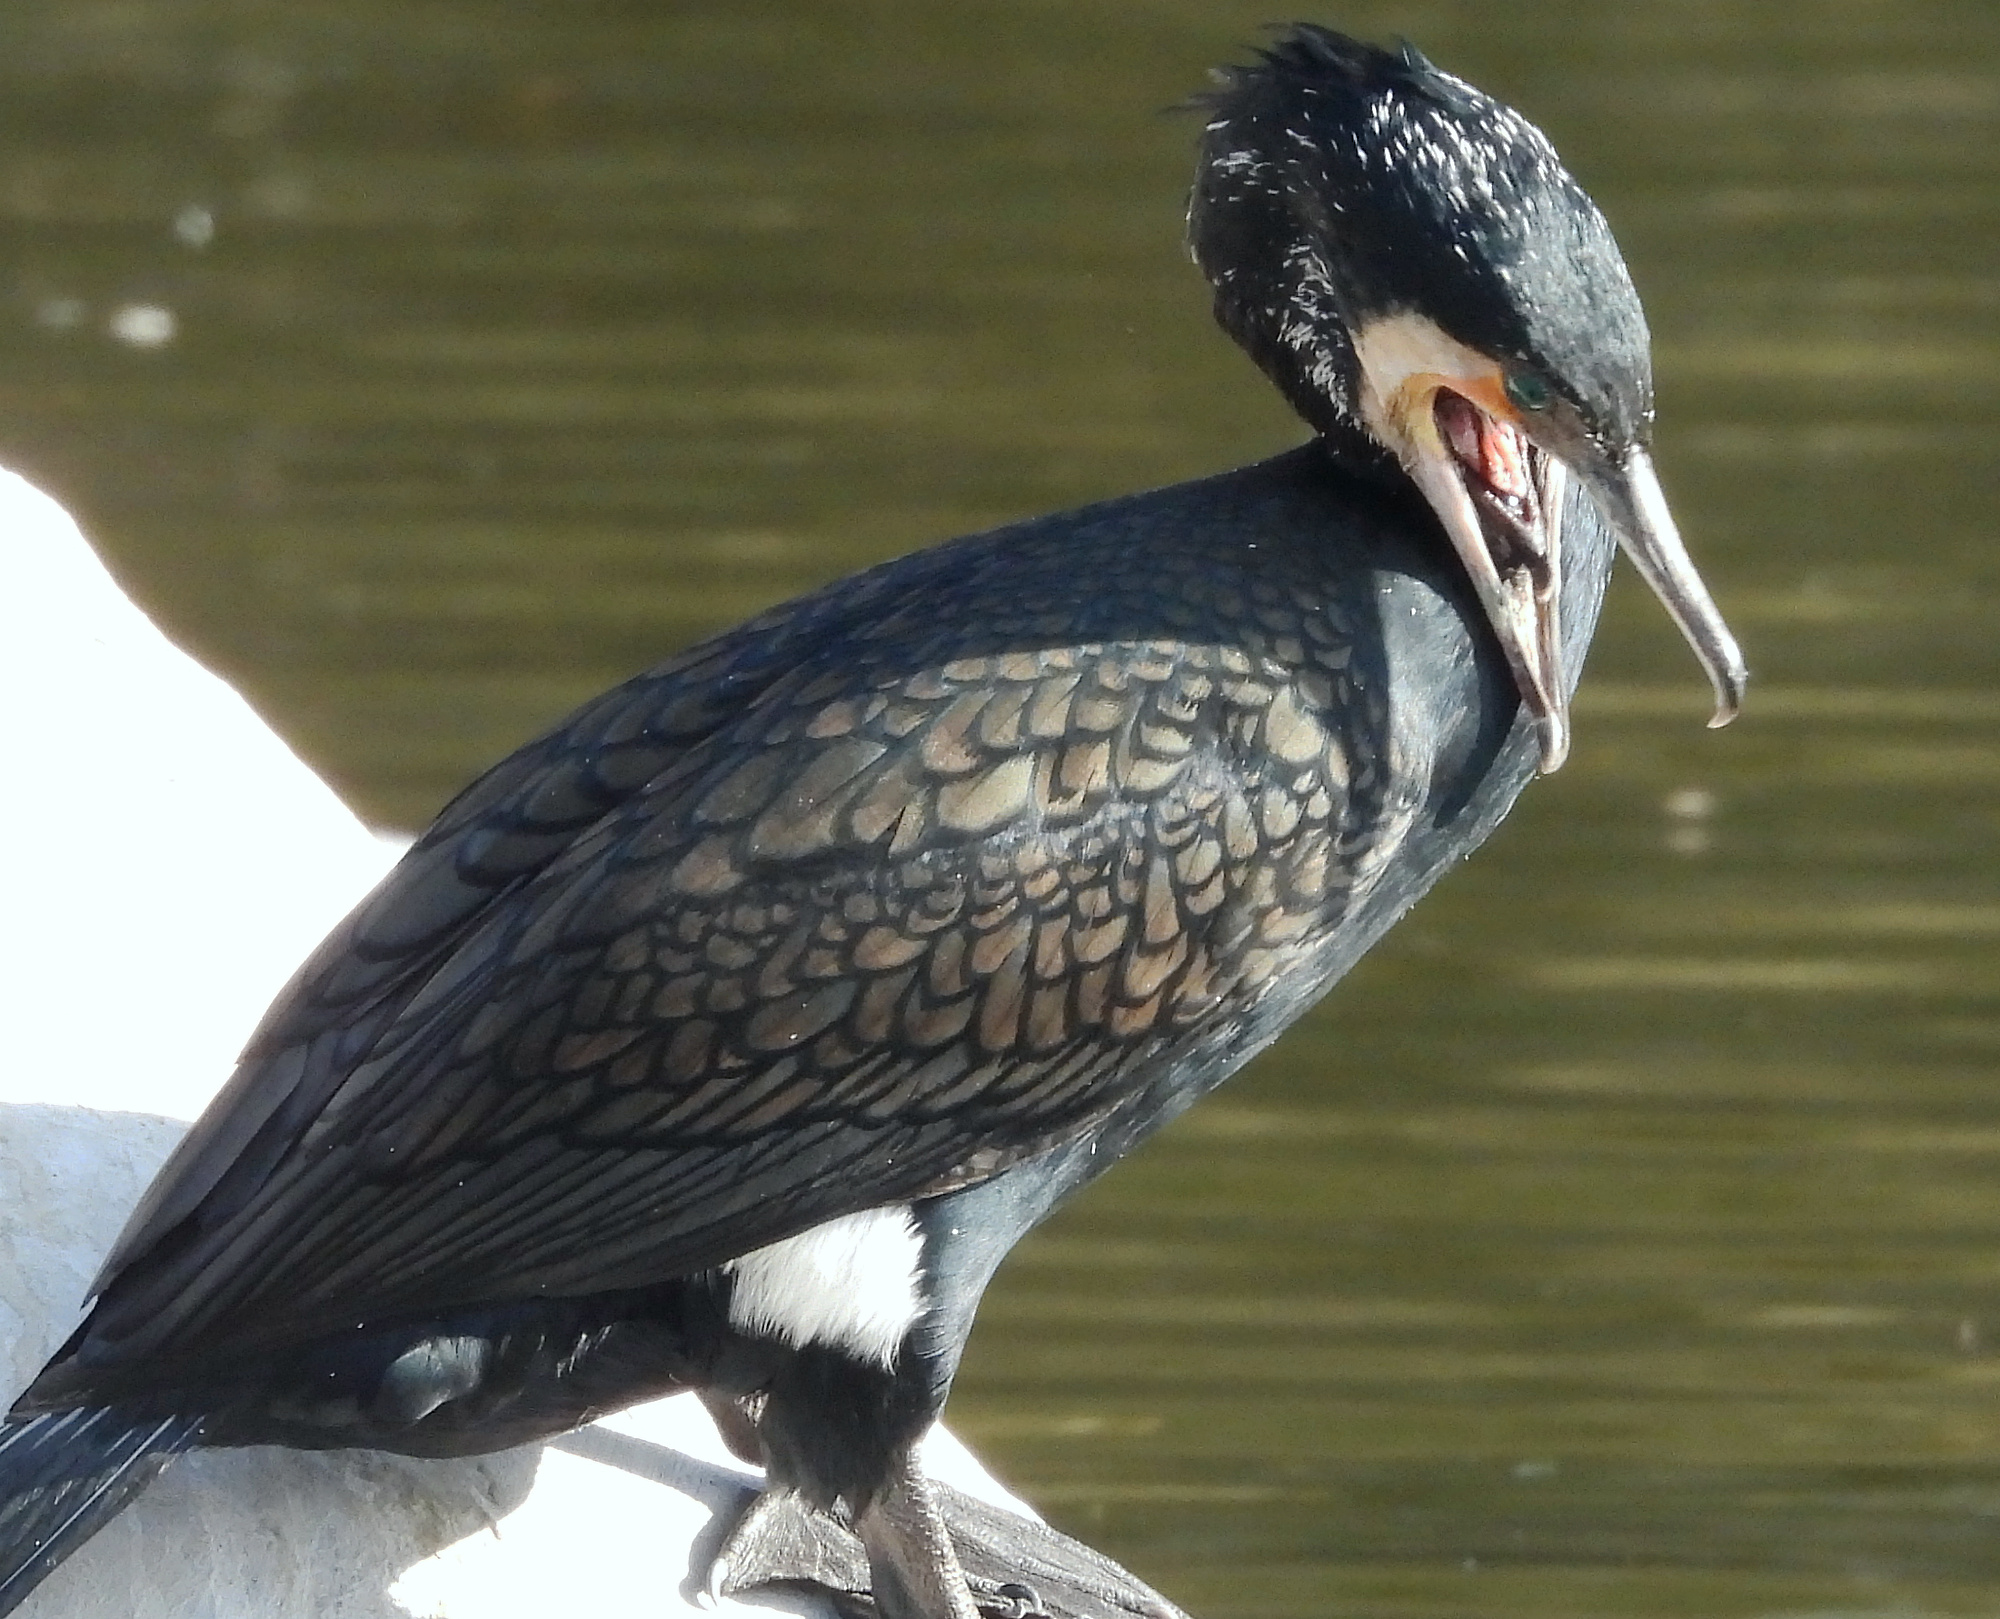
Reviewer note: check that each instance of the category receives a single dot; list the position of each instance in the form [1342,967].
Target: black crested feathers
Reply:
[1341,182]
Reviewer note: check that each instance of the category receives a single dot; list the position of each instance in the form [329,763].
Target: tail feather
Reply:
[64,1475]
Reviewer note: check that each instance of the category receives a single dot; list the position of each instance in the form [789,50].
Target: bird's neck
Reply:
[1312,371]
[1275,295]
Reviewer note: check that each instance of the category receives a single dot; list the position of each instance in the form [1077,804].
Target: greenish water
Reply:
[1624,1236]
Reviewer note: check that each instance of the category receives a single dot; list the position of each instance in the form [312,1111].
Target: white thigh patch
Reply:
[850,1283]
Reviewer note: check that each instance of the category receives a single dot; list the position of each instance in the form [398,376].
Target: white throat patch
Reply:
[1392,350]
[850,1283]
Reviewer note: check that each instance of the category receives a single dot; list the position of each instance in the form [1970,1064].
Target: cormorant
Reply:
[729,1035]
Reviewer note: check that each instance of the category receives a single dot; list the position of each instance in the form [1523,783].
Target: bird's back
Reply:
[901,885]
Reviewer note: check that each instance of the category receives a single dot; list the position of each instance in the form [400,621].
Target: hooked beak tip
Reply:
[1630,498]
[1730,677]
[1552,732]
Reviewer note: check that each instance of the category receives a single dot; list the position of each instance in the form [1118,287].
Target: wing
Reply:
[876,920]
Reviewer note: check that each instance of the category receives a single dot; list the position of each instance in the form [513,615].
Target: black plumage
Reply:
[1339,183]
[914,903]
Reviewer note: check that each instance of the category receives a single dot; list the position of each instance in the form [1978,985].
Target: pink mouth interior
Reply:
[1497,463]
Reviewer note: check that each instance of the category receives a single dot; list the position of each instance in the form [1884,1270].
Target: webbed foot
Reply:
[1013,1567]
[780,1540]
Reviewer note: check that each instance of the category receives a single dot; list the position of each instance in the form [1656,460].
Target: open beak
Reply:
[1630,498]
[1501,500]
[1499,494]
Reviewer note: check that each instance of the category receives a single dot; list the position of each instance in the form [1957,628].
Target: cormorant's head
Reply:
[1426,283]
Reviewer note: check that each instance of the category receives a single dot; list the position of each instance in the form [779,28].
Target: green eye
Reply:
[1527,390]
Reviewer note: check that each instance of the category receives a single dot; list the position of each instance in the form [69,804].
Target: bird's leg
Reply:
[779,1538]
[925,1550]
[913,1570]
[1020,1568]
[904,1561]
[1015,1567]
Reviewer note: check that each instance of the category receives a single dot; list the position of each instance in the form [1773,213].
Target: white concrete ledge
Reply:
[172,862]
